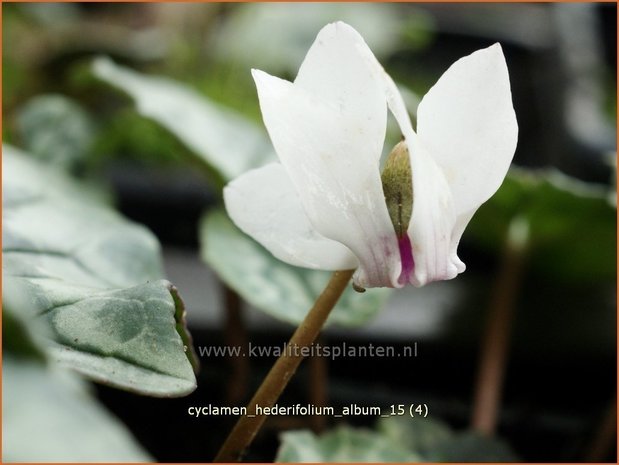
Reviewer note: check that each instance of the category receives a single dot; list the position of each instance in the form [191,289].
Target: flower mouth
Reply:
[406,257]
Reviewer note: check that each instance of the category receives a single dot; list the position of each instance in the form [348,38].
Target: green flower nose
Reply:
[398,188]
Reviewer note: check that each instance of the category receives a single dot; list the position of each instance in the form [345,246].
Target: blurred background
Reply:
[560,371]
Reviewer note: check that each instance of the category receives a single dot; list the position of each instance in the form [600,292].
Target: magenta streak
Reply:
[406,256]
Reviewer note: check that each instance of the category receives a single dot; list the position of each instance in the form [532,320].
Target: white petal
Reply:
[335,68]
[468,125]
[432,222]
[264,204]
[331,156]
[390,92]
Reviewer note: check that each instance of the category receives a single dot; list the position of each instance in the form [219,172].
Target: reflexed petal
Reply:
[331,158]
[264,204]
[390,92]
[462,220]
[335,68]
[468,125]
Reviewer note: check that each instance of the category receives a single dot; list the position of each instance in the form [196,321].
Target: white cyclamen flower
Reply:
[324,206]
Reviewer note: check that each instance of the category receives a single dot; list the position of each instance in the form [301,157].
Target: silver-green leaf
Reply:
[56,129]
[48,415]
[95,279]
[343,444]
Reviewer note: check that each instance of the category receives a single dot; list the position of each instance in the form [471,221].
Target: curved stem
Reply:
[286,365]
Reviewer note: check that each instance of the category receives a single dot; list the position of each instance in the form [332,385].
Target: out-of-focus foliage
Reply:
[344,444]
[225,140]
[436,442]
[55,129]
[397,439]
[275,37]
[95,278]
[281,290]
[419,434]
[128,136]
[48,415]
[16,78]
[572,224]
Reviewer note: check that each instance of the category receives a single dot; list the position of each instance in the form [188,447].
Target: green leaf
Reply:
[55,129]
[31,181]
[95,278]
[125,338]
[434,441]
[471,447]
[344,444]
[397,439]
[130,138]
[49,416]
[225,140]
[572,224]
[420,435]
[281,290]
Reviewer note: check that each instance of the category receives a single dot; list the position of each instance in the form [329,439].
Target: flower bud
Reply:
[398,188]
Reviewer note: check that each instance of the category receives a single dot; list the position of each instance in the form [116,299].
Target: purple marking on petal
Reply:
[406,256]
